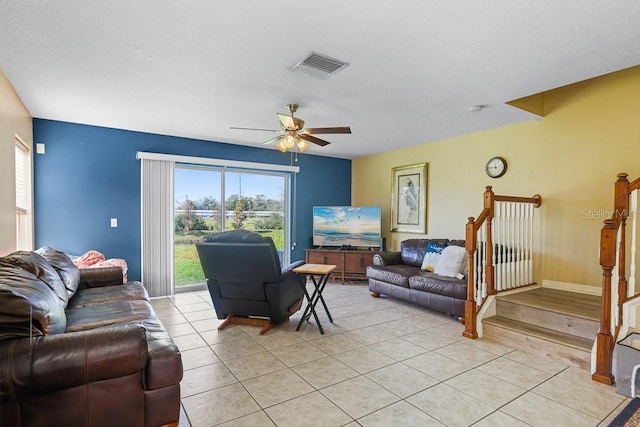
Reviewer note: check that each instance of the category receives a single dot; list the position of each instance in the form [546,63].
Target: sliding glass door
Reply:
[209,200]
[257,202]
[198,212]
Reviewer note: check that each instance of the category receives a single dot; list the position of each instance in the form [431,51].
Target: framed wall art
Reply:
[409,199]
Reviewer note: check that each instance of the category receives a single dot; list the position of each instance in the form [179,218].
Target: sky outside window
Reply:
[190,183]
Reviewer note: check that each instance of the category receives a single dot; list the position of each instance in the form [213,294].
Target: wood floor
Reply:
[575,304]
[559,324]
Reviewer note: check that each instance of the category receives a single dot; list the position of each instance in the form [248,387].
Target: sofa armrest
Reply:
[102,276]
[285,297]
[289,283]
[58,362]
[288,271]
[288,277]
[387,258]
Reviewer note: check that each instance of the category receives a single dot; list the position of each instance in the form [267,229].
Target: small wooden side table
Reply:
[319,275]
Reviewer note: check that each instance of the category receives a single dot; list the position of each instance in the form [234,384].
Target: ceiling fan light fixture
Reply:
[290,141]
[302,145]
[281,146]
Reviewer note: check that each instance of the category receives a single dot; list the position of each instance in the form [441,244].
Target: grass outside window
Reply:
[187,264]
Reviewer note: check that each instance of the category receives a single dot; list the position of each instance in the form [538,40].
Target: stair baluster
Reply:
[499,243]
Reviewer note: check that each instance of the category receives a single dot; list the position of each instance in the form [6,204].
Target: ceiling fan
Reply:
[293,134]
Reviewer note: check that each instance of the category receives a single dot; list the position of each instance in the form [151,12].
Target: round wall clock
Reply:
[496,167]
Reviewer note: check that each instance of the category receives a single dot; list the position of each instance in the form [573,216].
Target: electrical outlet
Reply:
[114,222]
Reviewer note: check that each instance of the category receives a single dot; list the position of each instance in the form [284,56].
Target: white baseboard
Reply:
[572,287]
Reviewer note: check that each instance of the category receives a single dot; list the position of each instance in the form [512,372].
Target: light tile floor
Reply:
[382,362]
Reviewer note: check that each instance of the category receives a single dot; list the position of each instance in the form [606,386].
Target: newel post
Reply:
[489,204]
[604,340]
[621,194]
[470,327]
[621,203]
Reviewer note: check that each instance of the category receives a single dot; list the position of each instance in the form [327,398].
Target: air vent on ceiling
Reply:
[319,66]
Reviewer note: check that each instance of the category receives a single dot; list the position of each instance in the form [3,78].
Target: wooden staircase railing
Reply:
[499,243]
[616,289]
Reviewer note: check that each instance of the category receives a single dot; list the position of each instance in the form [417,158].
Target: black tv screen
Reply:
[357,226]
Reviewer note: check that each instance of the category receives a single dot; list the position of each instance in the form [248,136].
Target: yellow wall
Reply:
[590,133]
[14,120]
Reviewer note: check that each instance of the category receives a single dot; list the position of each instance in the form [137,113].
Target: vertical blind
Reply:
[157,226]
[22,198]
[24,224]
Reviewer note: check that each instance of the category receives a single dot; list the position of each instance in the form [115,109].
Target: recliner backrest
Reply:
[241,262]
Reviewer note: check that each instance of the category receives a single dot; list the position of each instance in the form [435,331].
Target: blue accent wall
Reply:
[90,174]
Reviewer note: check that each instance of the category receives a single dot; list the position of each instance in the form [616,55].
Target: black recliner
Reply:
[245,279]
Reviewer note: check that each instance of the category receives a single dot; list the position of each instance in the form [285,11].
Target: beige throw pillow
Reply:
[451,261]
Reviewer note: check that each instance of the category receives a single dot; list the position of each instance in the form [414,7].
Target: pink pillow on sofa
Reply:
[88,259]
[94,259]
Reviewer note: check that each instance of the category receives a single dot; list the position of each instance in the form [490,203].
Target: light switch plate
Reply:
[40,148]
[114,222]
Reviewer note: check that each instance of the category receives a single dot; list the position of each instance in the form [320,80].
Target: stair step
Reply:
[558,324]
[571,303]
[557,337]
[561,346]
[549,319]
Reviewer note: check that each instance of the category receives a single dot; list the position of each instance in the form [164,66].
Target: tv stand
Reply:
[352,264]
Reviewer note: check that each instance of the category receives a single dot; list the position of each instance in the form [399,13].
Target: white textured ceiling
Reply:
[195,68]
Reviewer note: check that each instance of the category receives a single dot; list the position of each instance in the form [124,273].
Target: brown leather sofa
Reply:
[399,275]
[80,348]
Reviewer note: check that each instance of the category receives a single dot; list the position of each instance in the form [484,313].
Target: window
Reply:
[212,199]
[24,229]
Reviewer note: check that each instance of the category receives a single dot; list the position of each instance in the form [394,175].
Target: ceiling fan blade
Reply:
[320,142]
[290,123]
[339,129]
[273,140]
[266,130]
[286,122]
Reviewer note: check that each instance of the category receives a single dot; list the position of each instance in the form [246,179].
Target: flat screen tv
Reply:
[355,226]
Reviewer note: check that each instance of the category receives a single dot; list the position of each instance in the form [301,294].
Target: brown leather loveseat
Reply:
[80,348]
[399,275]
